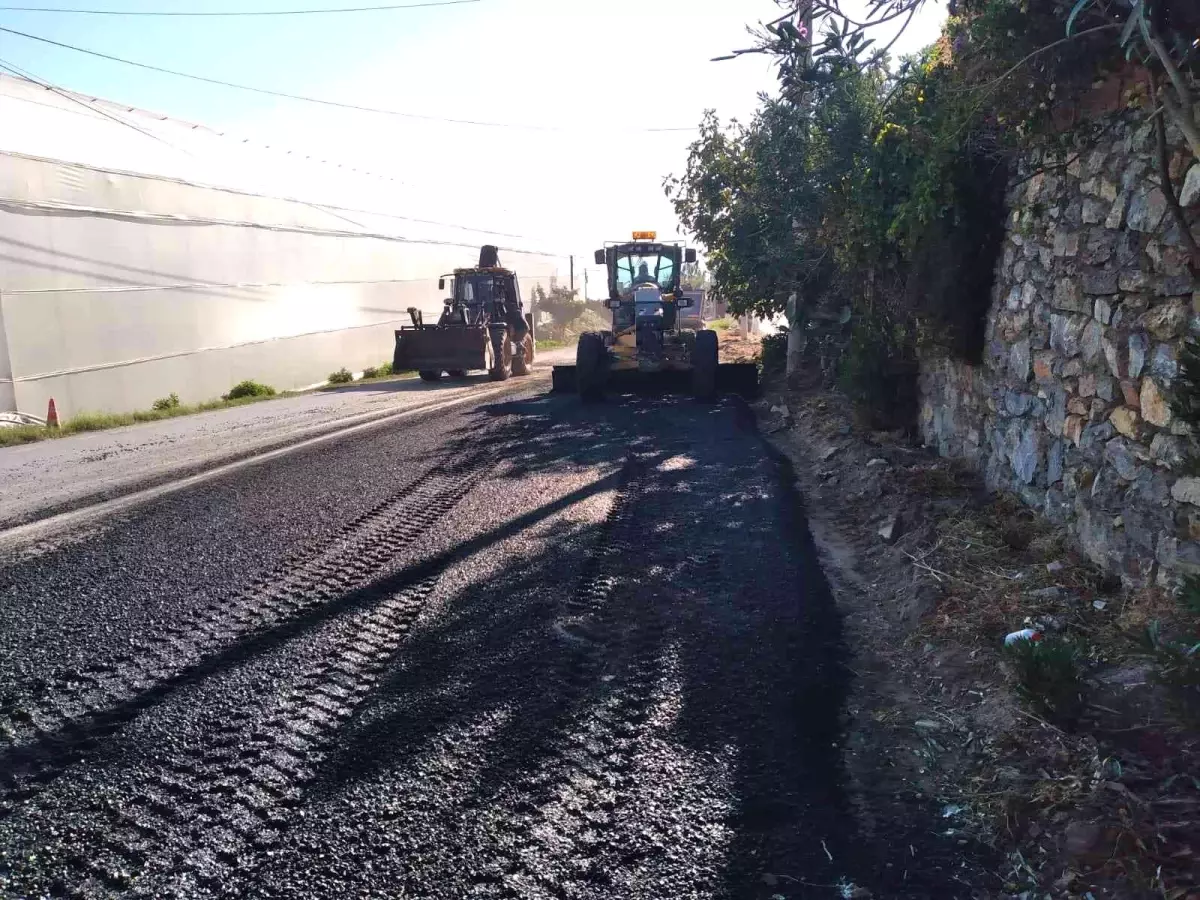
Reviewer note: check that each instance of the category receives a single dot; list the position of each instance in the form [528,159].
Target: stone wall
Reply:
[1071,407]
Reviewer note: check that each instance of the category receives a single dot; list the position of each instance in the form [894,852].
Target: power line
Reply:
[299,97]
[256,12]
[28,76]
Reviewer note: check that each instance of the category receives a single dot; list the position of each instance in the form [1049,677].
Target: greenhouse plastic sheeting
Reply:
[155,266]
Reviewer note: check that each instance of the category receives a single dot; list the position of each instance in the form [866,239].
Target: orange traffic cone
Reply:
[52,415]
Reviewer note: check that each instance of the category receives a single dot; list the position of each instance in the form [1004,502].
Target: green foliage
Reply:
[1185,394]
[341,376]
[249,388]
[1048,676]
[171,401]
[774,352]
[880,190]
[370,372]
[878,371]
[569,314]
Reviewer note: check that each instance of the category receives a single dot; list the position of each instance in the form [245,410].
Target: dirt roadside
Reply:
[1075,779]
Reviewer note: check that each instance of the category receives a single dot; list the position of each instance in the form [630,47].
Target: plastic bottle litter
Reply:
[1025,634]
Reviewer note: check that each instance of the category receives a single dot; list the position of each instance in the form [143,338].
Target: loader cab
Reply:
[483,291]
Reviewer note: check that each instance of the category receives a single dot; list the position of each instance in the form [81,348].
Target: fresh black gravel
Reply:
[533,649]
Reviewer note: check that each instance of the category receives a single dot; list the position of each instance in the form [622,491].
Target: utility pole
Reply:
[572,275]
[585,284]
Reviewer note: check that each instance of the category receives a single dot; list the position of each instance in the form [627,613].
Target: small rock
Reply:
[1055,567]
[1103,310]
[1118,454]
[1146,210]
[1068,294]
[1125,420]
[1187,490]
[891,529]
[1092,344]
[1099,604]
[1087,385]
[1133,280]
[1164,363]
[1168,450]
[1073,429]
[1139,347]
[828,453]
[1066,333]
[1099,281]
[1155,408]
[877,461]
[1019,359]
[1167,321]
[1189,195]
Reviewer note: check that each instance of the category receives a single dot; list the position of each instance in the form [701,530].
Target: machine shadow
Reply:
[745,617]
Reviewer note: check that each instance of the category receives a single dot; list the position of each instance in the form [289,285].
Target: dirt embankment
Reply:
[1070,760]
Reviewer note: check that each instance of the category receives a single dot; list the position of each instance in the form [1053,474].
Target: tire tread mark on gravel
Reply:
[301,582]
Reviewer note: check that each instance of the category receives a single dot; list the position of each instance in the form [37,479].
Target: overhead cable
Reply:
[333,103]
[252,12]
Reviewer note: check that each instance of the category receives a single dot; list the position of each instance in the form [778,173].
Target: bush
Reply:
[878,371]
[249,388]
[171,401]
[383,370]
[341,376]
[774,351]
[370,372]
[1048,676]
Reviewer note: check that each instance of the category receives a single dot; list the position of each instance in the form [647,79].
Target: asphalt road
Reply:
[51,476]
[522,649]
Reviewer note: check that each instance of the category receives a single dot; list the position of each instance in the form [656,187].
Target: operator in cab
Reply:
[643,275]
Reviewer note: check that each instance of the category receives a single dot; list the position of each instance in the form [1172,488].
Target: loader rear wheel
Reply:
[704,366]
[501,366]
[521,361]
[430,375]
[590,366]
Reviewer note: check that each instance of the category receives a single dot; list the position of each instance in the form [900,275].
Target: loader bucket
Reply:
[441,348]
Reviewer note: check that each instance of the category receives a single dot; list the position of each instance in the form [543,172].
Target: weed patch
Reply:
[1048,676]
[171,401]
[341,376]
[249,388]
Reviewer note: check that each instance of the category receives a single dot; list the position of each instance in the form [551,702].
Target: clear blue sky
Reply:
[597,69]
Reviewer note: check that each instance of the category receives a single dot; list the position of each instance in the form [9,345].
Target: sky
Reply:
[576,83]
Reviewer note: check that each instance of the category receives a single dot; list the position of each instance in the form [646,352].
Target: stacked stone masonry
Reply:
[1071,408]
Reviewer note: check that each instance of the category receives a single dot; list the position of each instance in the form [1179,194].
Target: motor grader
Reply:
[483,326]
[646,345]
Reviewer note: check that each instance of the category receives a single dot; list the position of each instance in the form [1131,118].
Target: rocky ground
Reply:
[1081,779]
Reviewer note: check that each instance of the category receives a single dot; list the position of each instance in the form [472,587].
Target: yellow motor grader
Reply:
[646,343]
